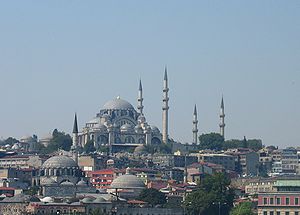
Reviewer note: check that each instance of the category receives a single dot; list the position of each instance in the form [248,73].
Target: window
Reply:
[287,202]
[271,201]
[287,213]
[296,213]
[265,201]
[278,202]
[271,212]
[265,213]
[296,202]
[278,213]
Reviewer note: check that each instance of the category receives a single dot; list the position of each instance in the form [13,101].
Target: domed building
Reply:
[60,176]
[127,186]
[119,124]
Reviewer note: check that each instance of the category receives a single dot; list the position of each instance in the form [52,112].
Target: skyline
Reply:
[75,57]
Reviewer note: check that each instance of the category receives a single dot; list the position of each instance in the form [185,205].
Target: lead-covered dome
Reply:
[127,181]
[118,104]
[59,161]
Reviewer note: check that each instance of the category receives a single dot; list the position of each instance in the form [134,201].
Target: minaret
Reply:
[140,106]
[165,109]
[195,126]
[75,139]
[222,119]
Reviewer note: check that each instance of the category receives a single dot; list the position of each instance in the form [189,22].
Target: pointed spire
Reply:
[195,110]
[166,74]
[75,126]
[222,103]
[140,86]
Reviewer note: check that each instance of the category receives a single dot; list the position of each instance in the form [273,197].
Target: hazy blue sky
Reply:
[58,57]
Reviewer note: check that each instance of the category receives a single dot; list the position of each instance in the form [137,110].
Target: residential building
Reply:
[285,201]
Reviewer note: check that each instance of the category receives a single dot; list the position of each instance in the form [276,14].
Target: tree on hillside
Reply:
[10,141]
[152,196]
[89,147]
[59,140]
[212,193]
[253,144]
[244,208]
[213,141]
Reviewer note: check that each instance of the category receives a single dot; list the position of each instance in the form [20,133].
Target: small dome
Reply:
[127,181]
[48,181]
[47,199]
[155,130]
[87,200]
[60,161]
[81,183]
[140,149]
[46,137]
[26,139]
[67,183]
[93,121]
[99,200]
[16,146]
[101,127]
[126,128]
[118,104]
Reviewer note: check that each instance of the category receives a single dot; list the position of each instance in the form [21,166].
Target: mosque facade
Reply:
[119,124]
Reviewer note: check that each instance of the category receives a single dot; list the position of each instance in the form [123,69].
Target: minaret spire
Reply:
[140,106]
[75,126]
[195,126]
[75,139]
[165,108]
[222,119]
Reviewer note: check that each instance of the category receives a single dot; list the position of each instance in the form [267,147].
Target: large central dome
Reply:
[59,161]
[118,104]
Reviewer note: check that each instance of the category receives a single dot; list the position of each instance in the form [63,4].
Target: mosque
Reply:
[119,125]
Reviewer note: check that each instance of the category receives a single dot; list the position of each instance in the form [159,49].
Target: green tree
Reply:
[152,196]
[10,141]
[89,146]
[244,208]
[60,140]
[212,193]
[213,141]
[254,144]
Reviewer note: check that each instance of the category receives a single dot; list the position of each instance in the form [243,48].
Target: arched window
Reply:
[141,141]
[118,140]
[129,139]
[155,141]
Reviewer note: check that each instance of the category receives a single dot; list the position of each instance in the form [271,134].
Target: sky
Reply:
[59,57]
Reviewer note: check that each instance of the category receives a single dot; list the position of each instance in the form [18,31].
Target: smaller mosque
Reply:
[60,176]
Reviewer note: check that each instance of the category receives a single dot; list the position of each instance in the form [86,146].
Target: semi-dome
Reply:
[88,200]
[118,104]
[141,149]
[99,200]
[127,181]
[155,130]
[47,199]
[60,161]
[81,183]
[66,183]
[48,181]
[126,127]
